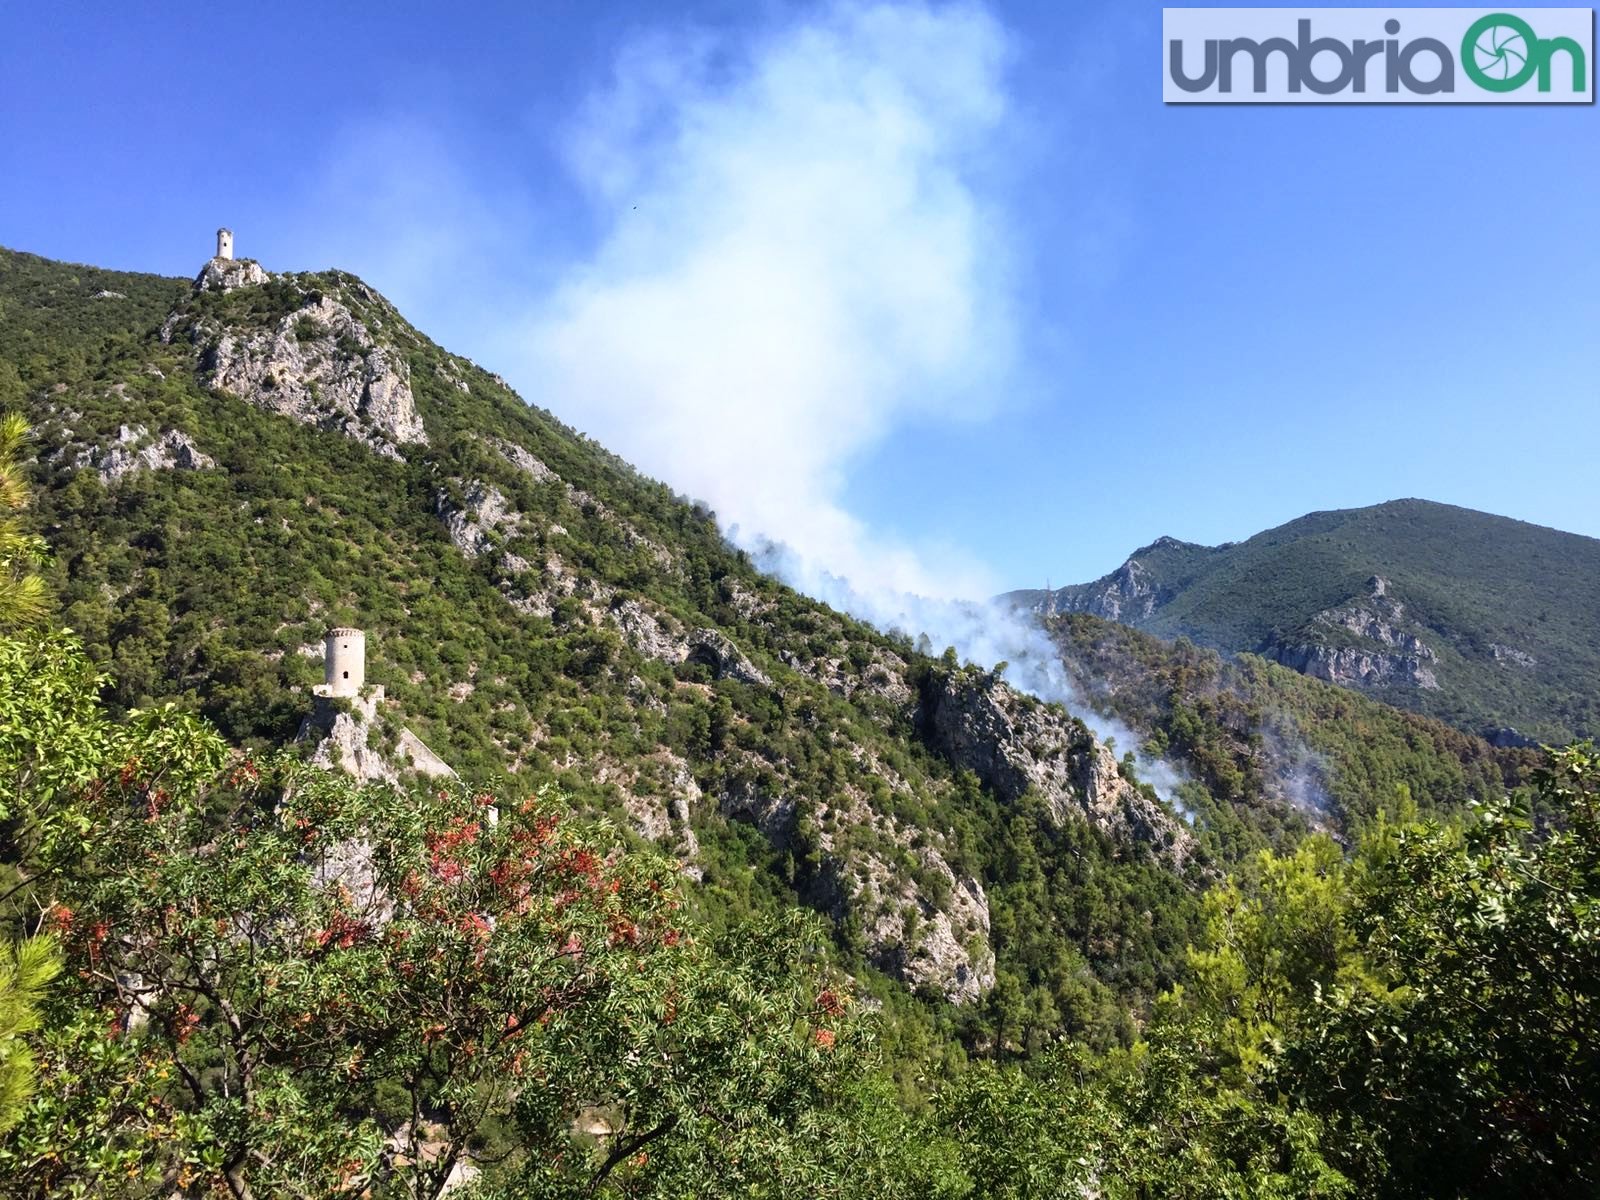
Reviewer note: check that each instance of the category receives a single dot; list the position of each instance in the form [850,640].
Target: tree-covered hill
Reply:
[224,971]
[1270,753]
[1479,620]
[227,469]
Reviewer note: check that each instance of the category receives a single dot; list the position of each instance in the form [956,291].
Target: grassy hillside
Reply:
[1503,613]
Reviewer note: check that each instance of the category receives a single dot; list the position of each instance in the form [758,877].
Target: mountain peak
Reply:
[1167,543]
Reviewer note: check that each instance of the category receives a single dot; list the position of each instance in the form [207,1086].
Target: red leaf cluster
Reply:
[446,849]
[343,932]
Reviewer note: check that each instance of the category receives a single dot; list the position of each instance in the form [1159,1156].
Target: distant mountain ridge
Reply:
[1480,620]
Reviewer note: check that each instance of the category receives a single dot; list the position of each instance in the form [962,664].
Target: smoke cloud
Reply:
[801,246]
[803,250]
[986,632]
[800,252]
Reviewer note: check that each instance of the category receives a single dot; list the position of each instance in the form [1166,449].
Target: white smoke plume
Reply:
[802,250]
[1299,771]
[803,243]
[986,632]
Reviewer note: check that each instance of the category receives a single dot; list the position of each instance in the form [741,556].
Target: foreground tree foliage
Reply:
[1425,1014]
[1416,1019]
[283,984]
[1470,1063]
[26,967]
[280,983]
[24,598]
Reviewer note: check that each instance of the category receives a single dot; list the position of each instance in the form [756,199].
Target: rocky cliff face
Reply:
[1127,594]
[1131,594]
[1366,642]
[1015,744]
[343,733]
[1351,666]
[318,363]
[343,738]
[225,274]
[1510,654]
[929,928]
[938,948]
[134,450]
[481,516]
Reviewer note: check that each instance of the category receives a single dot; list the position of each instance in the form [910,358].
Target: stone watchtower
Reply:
[225,243]
[344,662]
[342,717]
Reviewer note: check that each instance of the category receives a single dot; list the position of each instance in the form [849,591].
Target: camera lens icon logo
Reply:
[1500,52]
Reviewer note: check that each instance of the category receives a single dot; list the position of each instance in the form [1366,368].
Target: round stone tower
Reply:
[344,661]
[224,243]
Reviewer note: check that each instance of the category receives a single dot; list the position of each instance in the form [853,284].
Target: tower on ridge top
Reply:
[224,243]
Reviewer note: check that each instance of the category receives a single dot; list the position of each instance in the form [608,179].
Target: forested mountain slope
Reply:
[1270,753]
[226,469]
[227,972]
[1482,621]
[229,467]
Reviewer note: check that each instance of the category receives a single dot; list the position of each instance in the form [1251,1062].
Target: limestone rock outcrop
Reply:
[657,635]
[349,865]
[343,732]
[525,461]
[135,450]
[226,274]
[1353,666]
[1385,650]
[1128,595]
[1506,736]
[883,676]
[927,927]
[653,634]
[1014,743]
[343,737]
[717,651]
[1510,654]
[663,813]
[943,949]
[482,514]
[318,364]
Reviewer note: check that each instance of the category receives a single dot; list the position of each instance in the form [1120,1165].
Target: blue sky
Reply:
[943,297]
